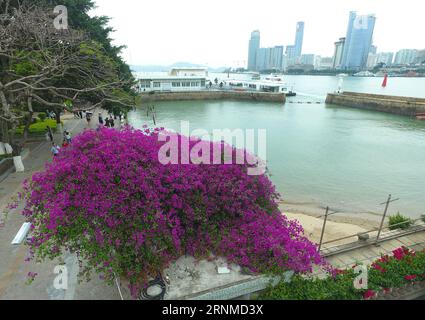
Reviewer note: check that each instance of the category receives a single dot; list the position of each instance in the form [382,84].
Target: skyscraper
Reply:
[339,50]
[299,37]
[269,58]
[254,45]
[293,52]
[405,56]
[358,41]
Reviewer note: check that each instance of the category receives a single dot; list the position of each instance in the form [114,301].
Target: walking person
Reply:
[107,122]
[55,149]
[68,137]
[101,122]
[88,117]
[112,123]
[49,134]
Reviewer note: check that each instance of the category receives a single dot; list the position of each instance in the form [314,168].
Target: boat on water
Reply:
[364,74]
[272,84]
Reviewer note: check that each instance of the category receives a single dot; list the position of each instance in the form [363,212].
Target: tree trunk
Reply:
[27,126]
[29,119]
[58,116]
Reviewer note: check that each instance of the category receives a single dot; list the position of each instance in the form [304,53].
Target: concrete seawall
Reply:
[406,106]
[214,95]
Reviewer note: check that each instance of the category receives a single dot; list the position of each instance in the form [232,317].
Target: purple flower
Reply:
[109,198]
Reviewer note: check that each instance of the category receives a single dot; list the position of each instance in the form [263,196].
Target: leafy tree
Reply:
[42,65]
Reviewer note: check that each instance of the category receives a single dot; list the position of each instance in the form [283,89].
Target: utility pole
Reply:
[387,203]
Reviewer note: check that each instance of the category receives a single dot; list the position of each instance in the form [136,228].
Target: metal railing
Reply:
[417,227]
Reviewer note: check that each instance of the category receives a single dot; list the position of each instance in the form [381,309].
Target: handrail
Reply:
[376,229]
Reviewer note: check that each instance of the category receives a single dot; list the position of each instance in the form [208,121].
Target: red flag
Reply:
[384,83]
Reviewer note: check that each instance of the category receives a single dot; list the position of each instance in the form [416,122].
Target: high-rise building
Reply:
[339,50]
[263,55]
[307,59]
[254,45]
[405,56]
[293,52]
[325,63]
[420,57]
[371,61]
[276,59]
[385,58]
[290,55]
[299,38]
[269,58]
[373,49]
[358,41]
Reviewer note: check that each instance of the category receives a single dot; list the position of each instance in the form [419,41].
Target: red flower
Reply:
[339,271]
[399,253]
[410,277]
[384,259]
[377,266]
[369,294]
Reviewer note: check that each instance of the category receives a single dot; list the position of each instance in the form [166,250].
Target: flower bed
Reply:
[109,199]
[389,272]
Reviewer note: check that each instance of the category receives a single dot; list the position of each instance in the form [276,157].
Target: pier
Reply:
[214,95]
[406,106]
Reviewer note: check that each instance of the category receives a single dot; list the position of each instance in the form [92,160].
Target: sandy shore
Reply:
[338,226]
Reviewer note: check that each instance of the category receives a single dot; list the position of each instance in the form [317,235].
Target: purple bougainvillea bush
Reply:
[108,199]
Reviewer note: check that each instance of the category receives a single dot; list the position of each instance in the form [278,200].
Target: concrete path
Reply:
[371,253]
[13,268]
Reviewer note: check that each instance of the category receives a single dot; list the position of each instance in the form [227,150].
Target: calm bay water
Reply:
[321,154]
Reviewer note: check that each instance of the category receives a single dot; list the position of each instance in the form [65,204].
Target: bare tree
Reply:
[40,64]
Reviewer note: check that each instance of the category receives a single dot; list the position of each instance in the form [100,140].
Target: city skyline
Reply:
[166,32]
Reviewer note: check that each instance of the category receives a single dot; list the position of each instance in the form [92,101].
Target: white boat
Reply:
[274,84]
[364,74]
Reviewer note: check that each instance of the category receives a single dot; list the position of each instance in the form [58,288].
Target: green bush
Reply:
[339,288]
[39,128]
[42,116]
[392,271]
[423,217]
[399,221]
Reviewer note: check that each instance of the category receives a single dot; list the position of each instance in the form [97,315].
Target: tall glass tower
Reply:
[254,45]
[299,37]
[358,41]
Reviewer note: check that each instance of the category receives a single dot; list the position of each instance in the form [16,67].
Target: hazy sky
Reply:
[216,32]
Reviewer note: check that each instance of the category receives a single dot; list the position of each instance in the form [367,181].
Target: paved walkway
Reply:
[372,252]
[13,268]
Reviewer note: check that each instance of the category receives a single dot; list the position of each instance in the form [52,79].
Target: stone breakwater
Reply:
[406,106]
[214,95]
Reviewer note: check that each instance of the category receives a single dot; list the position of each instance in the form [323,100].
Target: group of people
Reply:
[67,139]
[109,122]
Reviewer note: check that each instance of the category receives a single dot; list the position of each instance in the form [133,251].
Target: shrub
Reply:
[109,199]
[39,127]
[403,266]
[42,116]
[399,221]
[423,217]
[299,288]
